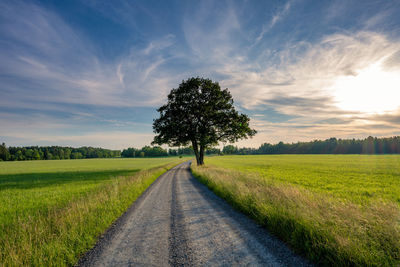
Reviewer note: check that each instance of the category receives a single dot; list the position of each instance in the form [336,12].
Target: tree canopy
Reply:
[200,113]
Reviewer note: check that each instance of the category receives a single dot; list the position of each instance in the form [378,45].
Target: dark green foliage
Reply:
[155,151]
[199,113]
[370,145]
[181,151]
[213,151]
[146,151]
[4,154]
[54,152]
[229,149]
[130,153]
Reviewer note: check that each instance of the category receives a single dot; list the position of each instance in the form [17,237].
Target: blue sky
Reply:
[93,72]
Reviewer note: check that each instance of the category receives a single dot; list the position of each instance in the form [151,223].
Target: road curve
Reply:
[179,222]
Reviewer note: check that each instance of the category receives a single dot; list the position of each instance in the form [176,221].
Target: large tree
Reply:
[200,113]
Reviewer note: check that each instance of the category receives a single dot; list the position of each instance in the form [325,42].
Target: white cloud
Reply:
[211,33]
[300,130]
[110,140]
[120,75]
[298,81]
[160,44]
[61,66]
[275,19]
[41,129]
[308,74]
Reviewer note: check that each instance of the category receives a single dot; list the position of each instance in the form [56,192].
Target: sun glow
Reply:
[372,90]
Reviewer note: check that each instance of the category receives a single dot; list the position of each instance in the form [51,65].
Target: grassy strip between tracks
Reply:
[328,228]
[61,215]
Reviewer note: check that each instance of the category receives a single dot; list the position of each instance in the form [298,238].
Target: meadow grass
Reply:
[51,212]
[338,210]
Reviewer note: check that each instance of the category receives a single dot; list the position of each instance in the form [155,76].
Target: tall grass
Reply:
[333,227]
[51,218]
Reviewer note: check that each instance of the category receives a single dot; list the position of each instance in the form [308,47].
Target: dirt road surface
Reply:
[179,222]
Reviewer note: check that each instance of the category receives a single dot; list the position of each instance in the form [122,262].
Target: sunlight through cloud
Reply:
[371,90]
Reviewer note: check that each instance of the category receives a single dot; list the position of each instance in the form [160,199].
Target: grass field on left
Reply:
[52,212]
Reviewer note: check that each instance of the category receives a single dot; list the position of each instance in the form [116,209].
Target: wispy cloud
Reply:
[305,71]
[211,31]
[61,65]
[279,15]
[120,139]
[55,67]
[293,131]
[160,44]
[73,130]
[298,80]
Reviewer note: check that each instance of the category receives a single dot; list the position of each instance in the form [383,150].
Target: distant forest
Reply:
[370,145]
[59,152]
[54,152]
[155,151]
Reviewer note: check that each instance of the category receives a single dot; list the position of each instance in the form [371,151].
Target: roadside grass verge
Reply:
[51,219]
[330,228]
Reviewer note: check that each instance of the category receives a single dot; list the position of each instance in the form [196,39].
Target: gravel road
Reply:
[178,222]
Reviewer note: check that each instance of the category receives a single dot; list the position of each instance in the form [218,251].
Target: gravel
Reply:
[179,222]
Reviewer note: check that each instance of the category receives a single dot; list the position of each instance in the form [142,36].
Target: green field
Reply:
[51,212]
[340,210]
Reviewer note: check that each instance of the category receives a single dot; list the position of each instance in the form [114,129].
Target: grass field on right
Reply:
[338,210]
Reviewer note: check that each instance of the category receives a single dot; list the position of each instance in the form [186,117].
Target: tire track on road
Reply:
[180,253]
[179,222]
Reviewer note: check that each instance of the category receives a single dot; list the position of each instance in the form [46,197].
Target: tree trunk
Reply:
[196,152]
[201,158]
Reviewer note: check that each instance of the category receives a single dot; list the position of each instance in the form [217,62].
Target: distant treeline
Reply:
[54,152]
[58,152]
[155,151]
[368,145]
